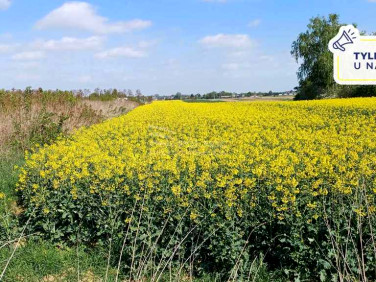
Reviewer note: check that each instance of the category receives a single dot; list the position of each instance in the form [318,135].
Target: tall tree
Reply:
[315,73]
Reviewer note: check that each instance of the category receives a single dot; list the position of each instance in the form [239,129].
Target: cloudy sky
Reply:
[160,46]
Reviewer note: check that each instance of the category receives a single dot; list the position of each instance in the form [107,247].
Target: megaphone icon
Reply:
[346,38]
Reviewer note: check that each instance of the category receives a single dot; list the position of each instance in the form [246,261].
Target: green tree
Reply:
[178,96]
[315,73]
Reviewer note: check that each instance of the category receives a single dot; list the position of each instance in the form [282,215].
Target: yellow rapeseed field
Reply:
[296,155]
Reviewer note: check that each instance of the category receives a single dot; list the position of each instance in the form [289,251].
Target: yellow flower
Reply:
[193,215]
[176,190]
[360,212]
[235,155]
[312,205]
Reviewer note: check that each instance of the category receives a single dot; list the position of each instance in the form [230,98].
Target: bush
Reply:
[42,130]
[209,188]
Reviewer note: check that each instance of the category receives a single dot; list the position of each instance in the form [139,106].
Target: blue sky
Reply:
[160,46]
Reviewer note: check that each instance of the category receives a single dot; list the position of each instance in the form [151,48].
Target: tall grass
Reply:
[37,117]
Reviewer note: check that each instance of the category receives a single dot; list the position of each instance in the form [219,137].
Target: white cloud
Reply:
[28,56]
[70,43]
[4,48]
[126,52]
[83,16]
[4,4]
[227,40]
[254,23]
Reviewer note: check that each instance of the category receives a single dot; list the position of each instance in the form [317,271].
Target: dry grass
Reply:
[109,109]
[22,113]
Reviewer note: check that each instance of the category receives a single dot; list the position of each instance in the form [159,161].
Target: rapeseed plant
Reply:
[291,161]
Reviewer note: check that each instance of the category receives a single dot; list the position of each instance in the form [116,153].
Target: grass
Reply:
[40,260]
[43,261]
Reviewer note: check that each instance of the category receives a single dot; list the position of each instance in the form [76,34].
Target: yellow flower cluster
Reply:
[231,155]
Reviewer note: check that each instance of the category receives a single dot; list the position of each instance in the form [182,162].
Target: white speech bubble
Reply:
[354,57]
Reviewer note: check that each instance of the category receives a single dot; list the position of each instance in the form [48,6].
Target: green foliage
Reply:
[8,202]
[42,130]
[147,244]
[38,260]
[304,248]
[106,95]
[45,130]
[8,176]
[113,94]
[316,70]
